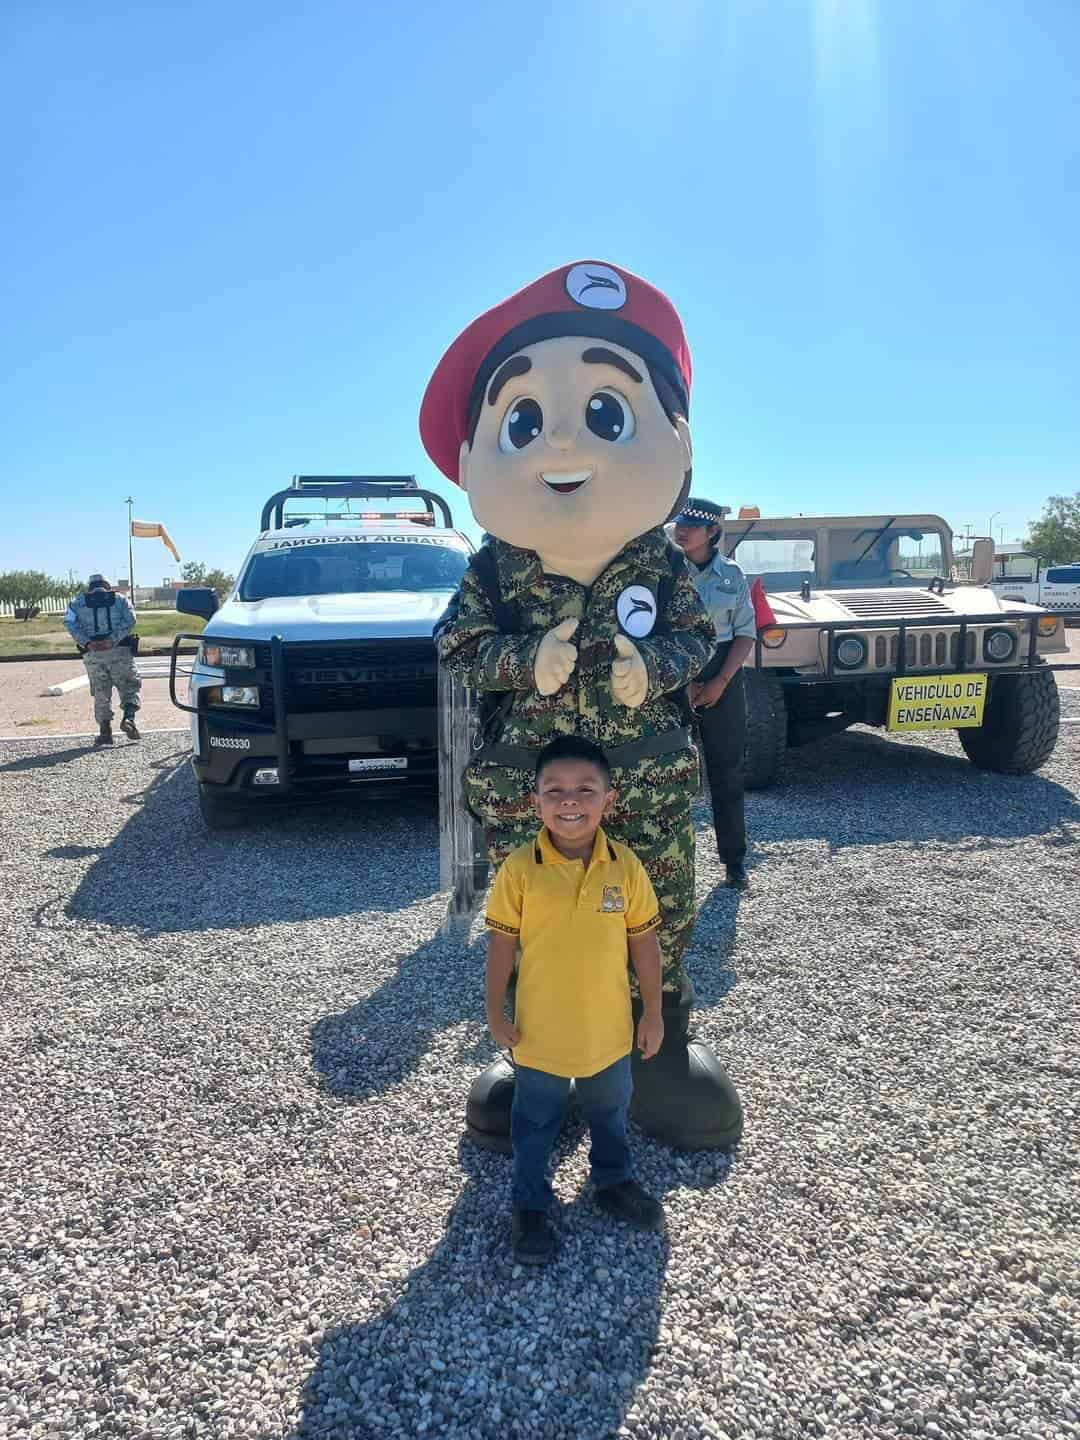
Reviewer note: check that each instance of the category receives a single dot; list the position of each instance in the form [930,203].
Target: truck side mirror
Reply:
[198,600]
[982,561]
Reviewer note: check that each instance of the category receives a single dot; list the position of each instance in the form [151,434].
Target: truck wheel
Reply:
[1020,727]
[766,729]
[218,811]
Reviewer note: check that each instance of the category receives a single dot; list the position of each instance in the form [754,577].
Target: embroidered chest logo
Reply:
[636,609]
[612,902]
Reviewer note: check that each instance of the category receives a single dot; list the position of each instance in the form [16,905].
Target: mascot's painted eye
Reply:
[521,425]
[609,416]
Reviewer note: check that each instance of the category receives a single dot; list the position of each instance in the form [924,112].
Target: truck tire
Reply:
[218,811]
[1020,727]
[766,729]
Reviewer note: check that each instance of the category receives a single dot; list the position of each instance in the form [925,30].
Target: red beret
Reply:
[589,298]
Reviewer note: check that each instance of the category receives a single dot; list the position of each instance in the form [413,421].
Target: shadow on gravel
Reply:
[381,1039]
[294,864]
[860,789]
[48,759]
[557,1353]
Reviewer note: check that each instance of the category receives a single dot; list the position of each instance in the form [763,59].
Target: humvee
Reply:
[875,627]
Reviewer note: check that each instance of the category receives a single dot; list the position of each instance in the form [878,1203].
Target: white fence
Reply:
[47,607]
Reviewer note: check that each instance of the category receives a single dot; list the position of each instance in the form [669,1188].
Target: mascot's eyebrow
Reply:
[608,357]
[516,365]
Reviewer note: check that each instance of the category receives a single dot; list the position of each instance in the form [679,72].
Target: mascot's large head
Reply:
[563,413]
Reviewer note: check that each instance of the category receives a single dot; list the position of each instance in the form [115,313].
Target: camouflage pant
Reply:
[651,815]
[107,668]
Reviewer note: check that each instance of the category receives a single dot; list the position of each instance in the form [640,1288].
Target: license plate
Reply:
[379,762]
[937,702]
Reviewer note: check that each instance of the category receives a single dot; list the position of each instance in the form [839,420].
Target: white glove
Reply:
[555,658]
[629,677]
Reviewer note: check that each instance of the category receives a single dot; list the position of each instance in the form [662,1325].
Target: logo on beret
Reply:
[597,287]
[636,609]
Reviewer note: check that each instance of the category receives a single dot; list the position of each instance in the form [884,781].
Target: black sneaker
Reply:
[127,724]
[533,1237]
[628,1201]
[104,735]
[737,877]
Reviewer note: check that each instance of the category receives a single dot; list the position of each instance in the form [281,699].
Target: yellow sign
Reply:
[937,702]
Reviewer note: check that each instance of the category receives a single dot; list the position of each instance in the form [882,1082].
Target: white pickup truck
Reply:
[1026,577]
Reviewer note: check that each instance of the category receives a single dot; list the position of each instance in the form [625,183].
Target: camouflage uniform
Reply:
[89,619]
[107,668]
[652,810]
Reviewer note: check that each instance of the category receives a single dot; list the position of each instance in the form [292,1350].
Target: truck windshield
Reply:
[896,555]
[365,568]
[782,561]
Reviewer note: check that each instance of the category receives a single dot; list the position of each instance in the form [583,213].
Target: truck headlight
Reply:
[1048,625]
[999,645]
[850,652]
[231,694]
[219,654]
[240,695]
[773,637]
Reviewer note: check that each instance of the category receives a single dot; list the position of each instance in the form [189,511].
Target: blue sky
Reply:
[244,233]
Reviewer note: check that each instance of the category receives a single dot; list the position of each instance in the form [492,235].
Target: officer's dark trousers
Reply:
[723,742]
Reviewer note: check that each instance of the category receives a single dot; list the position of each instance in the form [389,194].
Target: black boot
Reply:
[533,1237]
[104,735]
[683,1096]
[487,1110]
[127,724]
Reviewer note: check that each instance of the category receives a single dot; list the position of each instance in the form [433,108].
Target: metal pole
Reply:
[131,557]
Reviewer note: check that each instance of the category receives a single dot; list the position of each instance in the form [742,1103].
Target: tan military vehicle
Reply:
[873,627]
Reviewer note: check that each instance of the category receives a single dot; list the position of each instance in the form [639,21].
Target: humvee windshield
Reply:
[371,567]
[896,554]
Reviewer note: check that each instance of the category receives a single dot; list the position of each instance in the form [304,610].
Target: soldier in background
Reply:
[102,625]
[718,694]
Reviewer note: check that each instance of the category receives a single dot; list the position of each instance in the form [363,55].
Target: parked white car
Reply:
[1025,577]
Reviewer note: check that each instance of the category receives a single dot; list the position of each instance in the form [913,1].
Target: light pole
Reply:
[990,530]
[129,502]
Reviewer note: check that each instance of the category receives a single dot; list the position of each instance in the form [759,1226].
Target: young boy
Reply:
[576,903]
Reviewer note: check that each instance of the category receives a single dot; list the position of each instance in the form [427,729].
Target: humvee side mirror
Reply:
[982,561]
[198,600]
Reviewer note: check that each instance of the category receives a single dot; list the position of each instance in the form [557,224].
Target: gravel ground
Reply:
[234,1200]
[26,711]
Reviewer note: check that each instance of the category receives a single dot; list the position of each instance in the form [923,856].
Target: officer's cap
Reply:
[701,512]
[97,582]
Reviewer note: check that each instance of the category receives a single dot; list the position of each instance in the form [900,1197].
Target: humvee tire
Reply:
[766,729]
[218,811]
[1020,727]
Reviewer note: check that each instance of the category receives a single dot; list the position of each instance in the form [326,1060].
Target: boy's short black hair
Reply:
[572,747]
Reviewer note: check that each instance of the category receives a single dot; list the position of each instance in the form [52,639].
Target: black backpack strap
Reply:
[485,567]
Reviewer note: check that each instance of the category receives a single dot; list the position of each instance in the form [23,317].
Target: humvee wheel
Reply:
[1020,728]
[218,812]
[766,729]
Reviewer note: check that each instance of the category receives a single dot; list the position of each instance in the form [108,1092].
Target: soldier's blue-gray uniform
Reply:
[725,593]
[100,615]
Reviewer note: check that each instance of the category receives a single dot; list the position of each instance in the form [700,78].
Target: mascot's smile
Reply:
[565,482]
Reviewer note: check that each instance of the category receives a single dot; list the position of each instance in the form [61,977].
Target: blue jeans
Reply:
[537,1116]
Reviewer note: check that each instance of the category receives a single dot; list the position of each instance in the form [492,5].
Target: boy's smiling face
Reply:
[572,797]
[573,450]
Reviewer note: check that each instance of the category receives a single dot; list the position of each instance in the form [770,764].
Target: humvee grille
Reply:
[883,605]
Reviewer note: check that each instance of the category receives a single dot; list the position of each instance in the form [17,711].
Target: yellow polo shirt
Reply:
[572,921]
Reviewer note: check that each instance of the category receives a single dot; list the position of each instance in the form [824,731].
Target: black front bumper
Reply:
[291,744]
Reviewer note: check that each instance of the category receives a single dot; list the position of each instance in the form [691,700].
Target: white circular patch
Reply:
[597,287]
[636,609]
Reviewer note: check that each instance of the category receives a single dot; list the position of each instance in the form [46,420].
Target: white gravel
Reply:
[234,1200]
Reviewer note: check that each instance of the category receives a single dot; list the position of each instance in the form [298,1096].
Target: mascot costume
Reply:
[562,413]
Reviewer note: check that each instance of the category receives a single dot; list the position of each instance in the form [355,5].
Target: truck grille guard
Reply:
[930,650]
